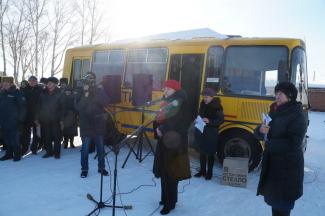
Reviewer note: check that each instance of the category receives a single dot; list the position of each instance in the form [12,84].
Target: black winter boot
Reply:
[65,142]
[164,211]
[210,167]
[103,172]
[203,161]
[83,174]
[279,213]
[71,142]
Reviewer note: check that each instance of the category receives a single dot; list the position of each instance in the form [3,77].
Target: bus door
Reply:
[80,66]
[187,69]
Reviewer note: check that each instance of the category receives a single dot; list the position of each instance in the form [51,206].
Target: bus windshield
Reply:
[254,70]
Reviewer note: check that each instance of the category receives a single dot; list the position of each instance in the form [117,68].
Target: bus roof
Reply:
[232,41]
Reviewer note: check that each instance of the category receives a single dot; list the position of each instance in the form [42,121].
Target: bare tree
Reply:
[17,36]
[44,47]
[36,11]
[80,7]
[62,30]
[27,58]
[96,17]
[91,19]
[3,9]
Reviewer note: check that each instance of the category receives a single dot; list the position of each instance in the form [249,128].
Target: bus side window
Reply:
[213,68]
[76,71]
[85,66]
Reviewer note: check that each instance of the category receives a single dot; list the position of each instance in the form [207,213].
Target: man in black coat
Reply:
[281,180]
[92,118]
[70,129]
[211,112]
[50,117]
[171,162]
[32,94]
[12,115]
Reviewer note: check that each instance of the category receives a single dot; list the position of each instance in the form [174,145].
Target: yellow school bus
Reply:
[242,71]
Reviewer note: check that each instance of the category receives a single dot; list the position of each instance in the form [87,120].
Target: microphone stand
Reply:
[141,135]
[100,204]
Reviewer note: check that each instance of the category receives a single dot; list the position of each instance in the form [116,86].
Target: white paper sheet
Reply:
[266,120]
[199,124]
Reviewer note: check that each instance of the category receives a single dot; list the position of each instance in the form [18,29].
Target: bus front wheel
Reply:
[240,143]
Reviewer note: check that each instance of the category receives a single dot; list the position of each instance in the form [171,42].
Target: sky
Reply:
[304,19]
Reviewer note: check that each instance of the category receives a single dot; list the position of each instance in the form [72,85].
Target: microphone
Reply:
[151,103]
[90,197]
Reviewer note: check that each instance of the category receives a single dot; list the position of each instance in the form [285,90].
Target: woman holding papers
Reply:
[281,180]
[211,112]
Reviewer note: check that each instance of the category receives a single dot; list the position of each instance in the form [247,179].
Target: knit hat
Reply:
[8,79]
[172,84]
[288,89]
[208,92]
[53,80]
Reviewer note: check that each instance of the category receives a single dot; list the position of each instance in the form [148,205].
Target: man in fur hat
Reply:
[50,116]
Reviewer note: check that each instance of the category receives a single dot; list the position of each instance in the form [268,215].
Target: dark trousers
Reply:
[86,141]
[169,191]
[36,142]
[28,130]
[203,162]
[25,137]
[52,133]
[11,138]
[280,213]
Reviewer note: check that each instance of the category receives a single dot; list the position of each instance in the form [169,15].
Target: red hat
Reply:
[172,84]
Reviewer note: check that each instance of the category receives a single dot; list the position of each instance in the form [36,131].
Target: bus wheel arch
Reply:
[238,142]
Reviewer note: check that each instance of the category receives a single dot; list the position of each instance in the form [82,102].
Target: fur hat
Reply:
[32,78]
[8,79]
[208,92]
[64,80]
[43,80]
[172,84]
[53,80]
[288,89]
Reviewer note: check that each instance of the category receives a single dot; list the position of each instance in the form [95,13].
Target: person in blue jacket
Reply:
[12,115]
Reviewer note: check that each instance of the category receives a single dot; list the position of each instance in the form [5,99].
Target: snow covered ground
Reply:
[39,187]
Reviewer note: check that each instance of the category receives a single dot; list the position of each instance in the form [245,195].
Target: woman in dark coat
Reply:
[211,112]
[70,129]
[171,161]
[281,180]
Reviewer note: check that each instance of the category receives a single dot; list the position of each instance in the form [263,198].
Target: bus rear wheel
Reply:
[240,143]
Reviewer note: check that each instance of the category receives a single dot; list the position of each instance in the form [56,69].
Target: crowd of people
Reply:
[40,109]
[49,113]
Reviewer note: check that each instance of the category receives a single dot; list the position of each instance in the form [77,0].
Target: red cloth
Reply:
[173,84]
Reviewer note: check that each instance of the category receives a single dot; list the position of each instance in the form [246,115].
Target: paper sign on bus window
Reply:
[212,80]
